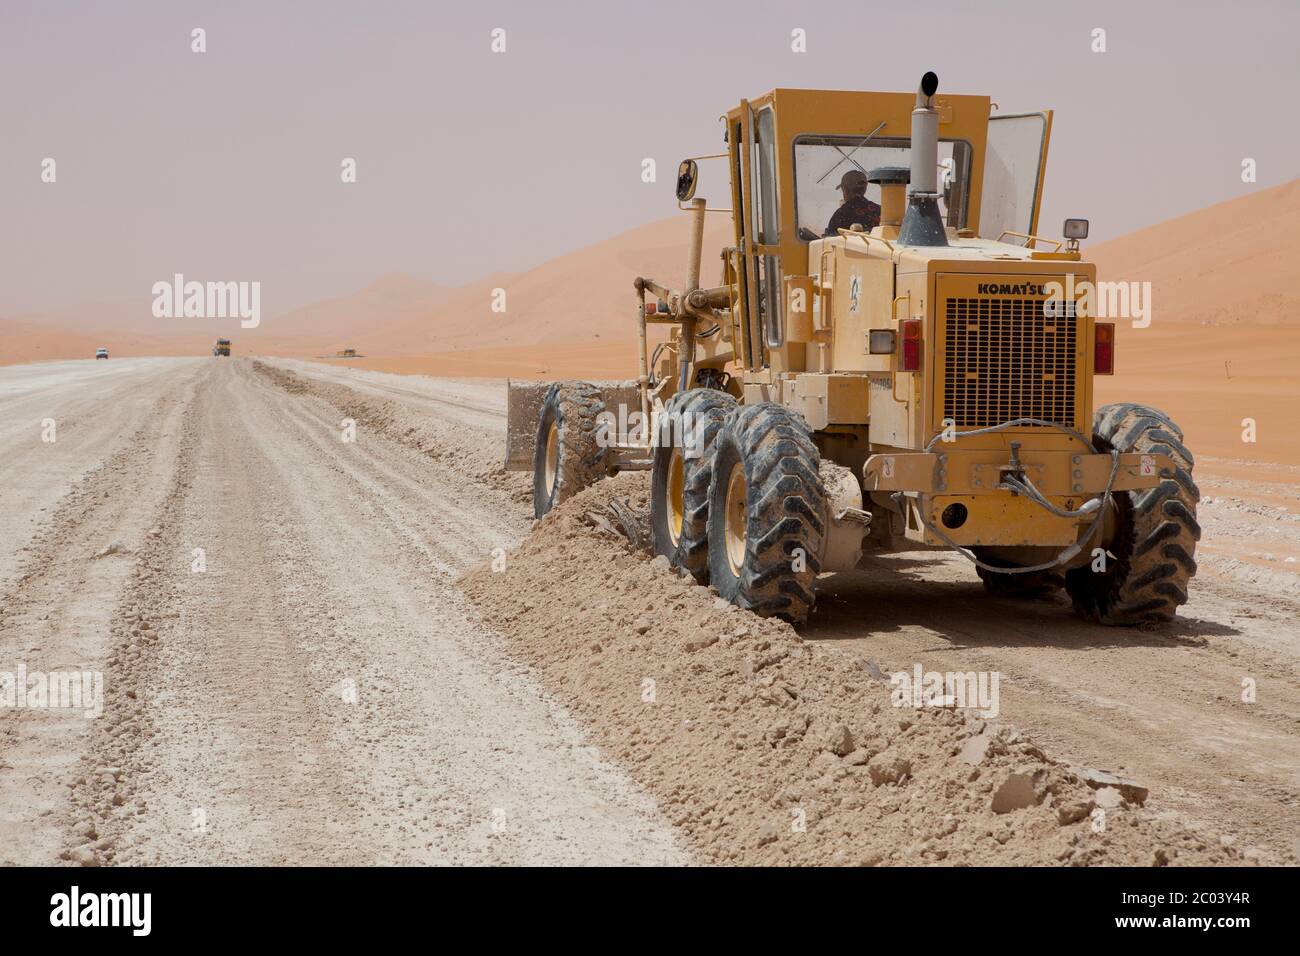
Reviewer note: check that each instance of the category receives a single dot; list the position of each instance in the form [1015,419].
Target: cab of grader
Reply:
[923,379]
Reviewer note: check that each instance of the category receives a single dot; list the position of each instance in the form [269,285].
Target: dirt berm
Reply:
[453,443]
[764,749]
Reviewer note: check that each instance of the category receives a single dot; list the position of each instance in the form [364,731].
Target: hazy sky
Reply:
[226,165]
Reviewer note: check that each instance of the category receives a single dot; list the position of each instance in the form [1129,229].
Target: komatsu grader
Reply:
[920,379]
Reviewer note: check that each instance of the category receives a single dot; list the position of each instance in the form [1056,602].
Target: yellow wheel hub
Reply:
[552,457]
[676,503]
[737,514]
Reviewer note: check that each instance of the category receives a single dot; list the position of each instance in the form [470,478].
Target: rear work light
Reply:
[1103,356]
[909,357]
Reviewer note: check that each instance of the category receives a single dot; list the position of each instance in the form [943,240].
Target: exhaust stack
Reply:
[922,223]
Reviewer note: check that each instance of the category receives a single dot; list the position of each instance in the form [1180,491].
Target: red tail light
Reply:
[1103,356]
[910,356]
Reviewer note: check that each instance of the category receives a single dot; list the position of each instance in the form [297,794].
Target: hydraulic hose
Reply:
[1023,486]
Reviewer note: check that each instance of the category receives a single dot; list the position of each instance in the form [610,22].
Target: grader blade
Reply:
[523,403]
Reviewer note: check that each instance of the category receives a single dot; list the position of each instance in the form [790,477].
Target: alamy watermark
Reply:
[208,300]
[128,910]
[628,426]
[1101,300]
[53,690]
[976,690]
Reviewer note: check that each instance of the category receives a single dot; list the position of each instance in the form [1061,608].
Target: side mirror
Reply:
[688,175]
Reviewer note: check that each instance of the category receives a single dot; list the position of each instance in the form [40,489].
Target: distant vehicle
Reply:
[347,353]
[101,353]
[222,347]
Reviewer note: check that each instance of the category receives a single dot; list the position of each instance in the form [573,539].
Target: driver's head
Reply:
[853,183]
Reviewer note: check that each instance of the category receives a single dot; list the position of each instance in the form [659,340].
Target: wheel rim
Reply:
[676,504]
[552,456]
[737,511]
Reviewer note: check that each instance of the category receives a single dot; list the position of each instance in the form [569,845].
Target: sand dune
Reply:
[392,300]
[584,296]
[1221,348]
[1232,263]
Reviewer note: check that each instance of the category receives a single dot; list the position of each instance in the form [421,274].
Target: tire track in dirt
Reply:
[477,404]
[470,443]
[57,614]
[457,524]
[210,676]
[237,682]
[94,407]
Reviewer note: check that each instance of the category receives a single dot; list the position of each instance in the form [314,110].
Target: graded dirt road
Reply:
[290,674]
[293,675]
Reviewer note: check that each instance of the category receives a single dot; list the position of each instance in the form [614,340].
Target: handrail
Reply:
[1030,238]
[893,317]
[850,233]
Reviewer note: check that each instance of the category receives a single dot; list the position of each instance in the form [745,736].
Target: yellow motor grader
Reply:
[892,360]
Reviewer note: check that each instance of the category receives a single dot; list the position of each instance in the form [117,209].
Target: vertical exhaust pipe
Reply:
[922,223]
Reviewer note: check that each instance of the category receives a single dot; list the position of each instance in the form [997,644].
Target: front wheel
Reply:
[767,512]
[680,476]
[1143,575]
[568,456]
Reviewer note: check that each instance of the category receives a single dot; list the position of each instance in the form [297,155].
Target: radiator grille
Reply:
[1006,359]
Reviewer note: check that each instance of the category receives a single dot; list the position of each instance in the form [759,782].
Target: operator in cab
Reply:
[855,208]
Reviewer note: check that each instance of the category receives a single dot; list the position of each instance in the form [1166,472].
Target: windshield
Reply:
[821,162]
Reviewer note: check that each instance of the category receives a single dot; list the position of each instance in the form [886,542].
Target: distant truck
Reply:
[101,353]
[347,353]
[222,347]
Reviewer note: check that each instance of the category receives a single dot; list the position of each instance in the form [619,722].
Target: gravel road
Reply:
[292,675]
